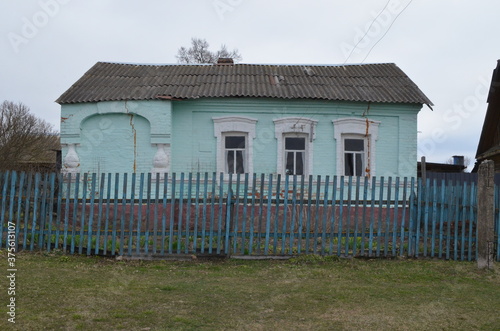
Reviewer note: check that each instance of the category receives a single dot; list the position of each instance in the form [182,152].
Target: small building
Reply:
[489,142]
[358,120]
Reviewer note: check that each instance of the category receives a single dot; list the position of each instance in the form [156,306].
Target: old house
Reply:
[489,142]
[358,120]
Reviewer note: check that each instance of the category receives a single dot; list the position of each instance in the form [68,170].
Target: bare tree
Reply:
[199,53]
[24,139]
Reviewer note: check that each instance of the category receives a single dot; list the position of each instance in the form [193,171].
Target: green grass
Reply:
[64,292]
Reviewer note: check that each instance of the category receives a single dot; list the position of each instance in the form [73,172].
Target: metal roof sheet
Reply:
[383,82]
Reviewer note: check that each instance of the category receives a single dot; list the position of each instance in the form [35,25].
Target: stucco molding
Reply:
[72,118]
[71,162]
[300,126]
[161,161]
[236,124]
[352,126]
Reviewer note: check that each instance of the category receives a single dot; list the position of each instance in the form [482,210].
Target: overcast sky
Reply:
[449,48]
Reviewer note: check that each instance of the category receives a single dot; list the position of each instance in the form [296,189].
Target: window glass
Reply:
[235,142]
[295,143]
[354,145]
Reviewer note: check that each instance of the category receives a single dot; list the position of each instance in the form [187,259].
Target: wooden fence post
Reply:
[485,214]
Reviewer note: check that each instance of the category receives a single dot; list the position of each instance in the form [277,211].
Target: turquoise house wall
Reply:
[103,131]
[194,144]
[115,136]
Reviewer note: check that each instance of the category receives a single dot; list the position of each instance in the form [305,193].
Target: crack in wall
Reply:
[134,132]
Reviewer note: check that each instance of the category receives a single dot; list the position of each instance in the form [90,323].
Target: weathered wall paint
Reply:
[187,127]
[193,147]
[116,136]
[116,142]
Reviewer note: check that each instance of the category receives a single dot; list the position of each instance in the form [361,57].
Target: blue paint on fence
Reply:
[231,214]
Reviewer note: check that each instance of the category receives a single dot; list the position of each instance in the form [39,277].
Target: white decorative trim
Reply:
[234,124]
[364,127]
[287,126]
[161,161]
[71,162]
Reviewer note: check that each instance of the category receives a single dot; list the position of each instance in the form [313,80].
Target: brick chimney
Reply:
[225,61]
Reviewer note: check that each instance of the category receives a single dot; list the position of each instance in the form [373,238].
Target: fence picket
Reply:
[387,217]
[403,217]
[164,215]
[91,215]
[180,214]
[172,216]
[463,221]
[442,201]
[236,218]
[154,247]
[220,213]
[472,200]
[450,212]
[396,218]
[148,215]
[99,213]
[372,217]
[348,218]
[268,214]
[325,215]
[197,213]
[122,219]
[316,218]
[244,216]
[285,214]
[4,204]
[276,216]
[379,219]
[13,182]
[229,203]
[130,233]
[139,215]
[43,211]
[19,209]
[356,215]
[434,198]
[294,205]
[341,217]
[301,213]
[115,215]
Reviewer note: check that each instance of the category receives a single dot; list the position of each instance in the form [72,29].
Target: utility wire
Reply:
[366,32]
[386,30]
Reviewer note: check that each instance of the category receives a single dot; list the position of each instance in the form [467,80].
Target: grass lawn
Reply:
[61,292]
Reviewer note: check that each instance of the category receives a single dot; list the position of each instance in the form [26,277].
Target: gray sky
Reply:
[447,47]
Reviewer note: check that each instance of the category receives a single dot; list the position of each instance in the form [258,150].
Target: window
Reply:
[235,154]
[235,135]
[295,136]
[354,157]
[356,146]
[295,150]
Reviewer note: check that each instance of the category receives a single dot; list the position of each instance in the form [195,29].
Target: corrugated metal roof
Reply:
[365,82]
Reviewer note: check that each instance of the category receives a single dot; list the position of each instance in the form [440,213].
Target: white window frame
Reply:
[244,150]
[234,125]
[356,128]
[295,127]
[365,147]
[306,145]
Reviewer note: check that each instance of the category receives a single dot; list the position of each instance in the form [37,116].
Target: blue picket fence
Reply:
[217,214]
